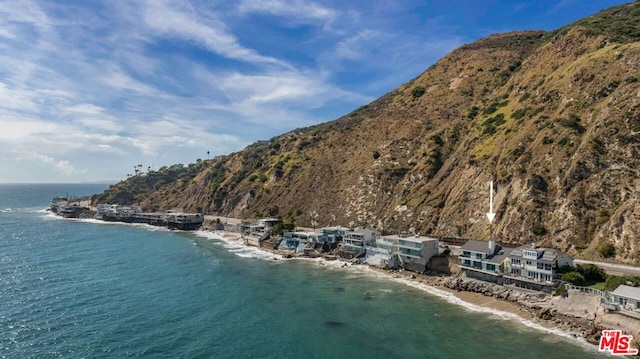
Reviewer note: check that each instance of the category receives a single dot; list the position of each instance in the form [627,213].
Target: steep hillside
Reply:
[552,118]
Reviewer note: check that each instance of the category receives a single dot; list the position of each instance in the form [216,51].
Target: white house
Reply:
[354,241]
[335,234]
[626,297]
[268,223]
[409,252]
[537,263]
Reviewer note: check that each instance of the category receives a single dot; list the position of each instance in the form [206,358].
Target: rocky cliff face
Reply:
[552,118]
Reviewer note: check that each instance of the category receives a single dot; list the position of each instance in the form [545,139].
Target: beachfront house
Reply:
[335,234]
[184,221]
[116,212]
[354,241]
[264,225]
[405,251]
[268,223]
[625,298]
[484,260]
[297,241]
[537,264]
[380,254]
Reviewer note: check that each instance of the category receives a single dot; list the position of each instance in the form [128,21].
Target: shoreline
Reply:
[530,315]
[579,323]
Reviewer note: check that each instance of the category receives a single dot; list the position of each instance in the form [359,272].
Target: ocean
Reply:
[85,289]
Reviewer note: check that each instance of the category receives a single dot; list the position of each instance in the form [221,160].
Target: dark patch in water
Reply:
[338,289]
[334,324]
[368,296]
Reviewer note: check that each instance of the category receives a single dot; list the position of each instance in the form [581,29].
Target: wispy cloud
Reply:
[176,19]
[298,11]
[62,166]
[357,46]
[164,81]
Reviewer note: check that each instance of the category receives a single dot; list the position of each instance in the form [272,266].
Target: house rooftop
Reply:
[627,292]
[409,238]
[475,245]
[335,228]
[501,256]
[548,255]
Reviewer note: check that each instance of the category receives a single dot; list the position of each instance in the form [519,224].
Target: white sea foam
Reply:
[235,244]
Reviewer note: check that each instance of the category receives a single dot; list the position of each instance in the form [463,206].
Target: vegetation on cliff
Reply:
[553,118]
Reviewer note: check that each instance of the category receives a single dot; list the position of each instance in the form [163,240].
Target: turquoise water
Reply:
[73,289]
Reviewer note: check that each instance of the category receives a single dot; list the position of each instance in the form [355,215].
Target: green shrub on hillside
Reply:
[607,250]
[573,122]
[418,91]
[491,123]
[518,114]
[538,229]
[473,112]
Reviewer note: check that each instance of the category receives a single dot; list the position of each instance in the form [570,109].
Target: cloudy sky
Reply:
[90,88]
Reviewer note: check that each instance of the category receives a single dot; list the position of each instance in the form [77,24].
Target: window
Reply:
[528,263]
[539,265]
[547,266]
[466,254]
[478,256]
[467,262]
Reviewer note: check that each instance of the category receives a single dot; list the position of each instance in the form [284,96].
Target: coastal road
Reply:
[610,268]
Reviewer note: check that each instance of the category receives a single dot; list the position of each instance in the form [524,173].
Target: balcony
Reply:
[411,245]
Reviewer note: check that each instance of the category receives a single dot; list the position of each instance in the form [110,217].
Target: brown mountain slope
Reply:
[552,118]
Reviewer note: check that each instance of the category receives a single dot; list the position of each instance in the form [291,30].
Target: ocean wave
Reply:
[235,244]
[25,209]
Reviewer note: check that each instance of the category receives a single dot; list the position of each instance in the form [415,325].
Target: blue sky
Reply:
[89,88]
